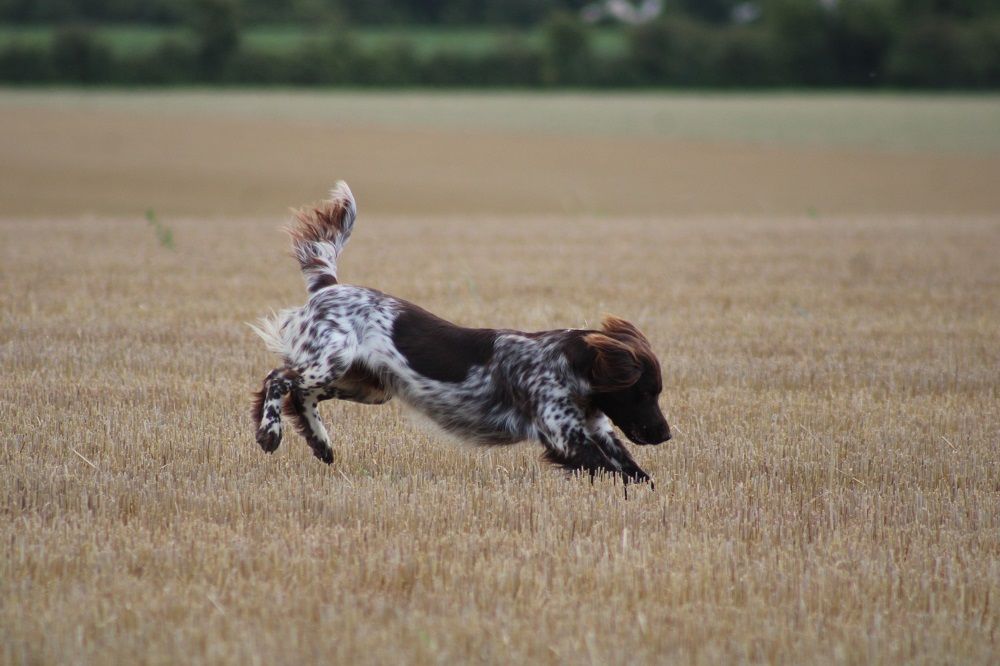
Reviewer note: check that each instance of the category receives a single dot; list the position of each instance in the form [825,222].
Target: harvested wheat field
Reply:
[831,359]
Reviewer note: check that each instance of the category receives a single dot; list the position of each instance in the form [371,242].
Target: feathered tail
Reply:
[319,234]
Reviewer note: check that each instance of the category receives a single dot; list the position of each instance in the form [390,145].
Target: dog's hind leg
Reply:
[316,362]
[267,407]
[301,407]
[317,382]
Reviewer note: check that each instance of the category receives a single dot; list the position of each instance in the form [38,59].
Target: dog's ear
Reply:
[619,328]
[613,366]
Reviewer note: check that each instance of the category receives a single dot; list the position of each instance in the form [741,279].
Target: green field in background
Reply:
[131,39]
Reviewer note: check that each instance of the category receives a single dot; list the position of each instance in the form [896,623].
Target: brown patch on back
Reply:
[438,349]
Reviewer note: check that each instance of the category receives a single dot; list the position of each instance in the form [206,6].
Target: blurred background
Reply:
[796,200]
[522,43]
[566,107]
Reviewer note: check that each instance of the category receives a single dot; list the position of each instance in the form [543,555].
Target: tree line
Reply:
[455,12]
[800,43]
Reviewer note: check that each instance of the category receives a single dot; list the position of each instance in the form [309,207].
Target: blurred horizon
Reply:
[602,44]
[257,152]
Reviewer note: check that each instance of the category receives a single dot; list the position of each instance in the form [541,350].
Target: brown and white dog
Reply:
[564,388]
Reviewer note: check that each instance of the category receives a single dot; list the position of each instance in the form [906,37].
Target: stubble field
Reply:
[825,302]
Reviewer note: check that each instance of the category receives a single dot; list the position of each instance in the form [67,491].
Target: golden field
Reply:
[826,306]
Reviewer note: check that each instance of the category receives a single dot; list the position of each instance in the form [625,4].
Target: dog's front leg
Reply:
[569,444]
[614,449]
[603,433]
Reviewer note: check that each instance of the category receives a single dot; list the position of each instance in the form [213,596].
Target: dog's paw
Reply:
[637,476]
[325,454]
[269,439]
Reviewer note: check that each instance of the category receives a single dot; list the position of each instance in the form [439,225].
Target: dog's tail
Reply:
[319,234]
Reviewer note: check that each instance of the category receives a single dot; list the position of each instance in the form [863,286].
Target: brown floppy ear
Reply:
[614,367]
[617,327]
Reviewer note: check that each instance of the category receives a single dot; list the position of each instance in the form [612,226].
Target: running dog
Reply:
[563,388]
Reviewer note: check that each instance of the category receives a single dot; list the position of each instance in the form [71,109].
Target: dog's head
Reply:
[624,377]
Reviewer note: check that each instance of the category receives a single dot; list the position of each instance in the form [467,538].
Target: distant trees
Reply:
[713,11]
[96,11]
[438,12]
[696,43]
[454,12]
[216,27]
[947,54]
[76,56]
[568,58]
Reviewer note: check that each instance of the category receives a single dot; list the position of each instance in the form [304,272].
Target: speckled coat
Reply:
[487,386]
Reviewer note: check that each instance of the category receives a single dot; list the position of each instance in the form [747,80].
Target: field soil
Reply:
[256,154]
[827,316]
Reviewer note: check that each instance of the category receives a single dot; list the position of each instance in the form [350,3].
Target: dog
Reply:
[563,388]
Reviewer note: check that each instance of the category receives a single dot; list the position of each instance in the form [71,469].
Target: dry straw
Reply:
[831,494]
